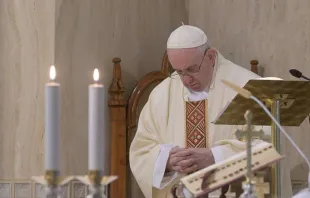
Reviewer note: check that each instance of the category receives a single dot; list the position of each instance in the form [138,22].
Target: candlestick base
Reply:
[248,189]
[95,181]
[52,182]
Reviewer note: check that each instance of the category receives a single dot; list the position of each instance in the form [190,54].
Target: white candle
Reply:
[52,122]
[96,119]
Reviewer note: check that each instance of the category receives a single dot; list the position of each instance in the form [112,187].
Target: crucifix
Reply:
[247,135]
[248,185]
[262,188]
[241,134]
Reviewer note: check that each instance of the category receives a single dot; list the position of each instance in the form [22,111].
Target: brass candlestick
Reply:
[94,177]
[95,180]
[52,181]
[52,178]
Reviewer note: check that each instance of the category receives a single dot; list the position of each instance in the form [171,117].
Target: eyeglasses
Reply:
[191,71]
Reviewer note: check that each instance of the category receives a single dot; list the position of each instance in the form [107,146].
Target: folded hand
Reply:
[187,160]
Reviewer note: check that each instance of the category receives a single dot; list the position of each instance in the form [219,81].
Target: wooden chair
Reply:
[124,115]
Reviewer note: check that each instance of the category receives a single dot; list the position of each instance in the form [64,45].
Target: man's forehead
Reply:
[181,58]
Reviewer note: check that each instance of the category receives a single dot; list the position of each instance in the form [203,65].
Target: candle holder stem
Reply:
[52,182]
[51,178]
[95,177]
[95,181]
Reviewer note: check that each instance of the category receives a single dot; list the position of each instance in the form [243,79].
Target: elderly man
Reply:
[175,134]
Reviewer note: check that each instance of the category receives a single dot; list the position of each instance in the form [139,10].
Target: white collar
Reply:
[197,96]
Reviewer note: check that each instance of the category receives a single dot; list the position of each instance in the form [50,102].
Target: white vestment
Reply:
[161,126]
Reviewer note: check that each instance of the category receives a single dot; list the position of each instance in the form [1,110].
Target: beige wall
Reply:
[88,34]
[26,51]
[276,32]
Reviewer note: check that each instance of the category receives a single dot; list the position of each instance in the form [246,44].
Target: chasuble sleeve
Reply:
[146,145]
[161,178]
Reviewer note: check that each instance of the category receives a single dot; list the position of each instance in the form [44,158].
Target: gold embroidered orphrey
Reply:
[196,124]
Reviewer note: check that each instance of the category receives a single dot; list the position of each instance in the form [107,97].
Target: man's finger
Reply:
[175,149]
[175,160]
[182,153]
[176,168]
[186,163]
[190,169]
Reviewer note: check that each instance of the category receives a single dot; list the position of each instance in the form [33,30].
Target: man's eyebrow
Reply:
[190,66]
[194,65]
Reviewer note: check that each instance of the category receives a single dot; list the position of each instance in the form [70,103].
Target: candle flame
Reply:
[96,75]
[52,72]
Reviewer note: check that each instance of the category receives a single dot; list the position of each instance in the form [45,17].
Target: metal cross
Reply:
[261,188]
[241,134]
[248,185]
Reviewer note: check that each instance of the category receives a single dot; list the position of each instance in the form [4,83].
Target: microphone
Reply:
[296,73]
[305,193]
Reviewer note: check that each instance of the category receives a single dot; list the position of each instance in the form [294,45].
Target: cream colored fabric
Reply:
[162,122]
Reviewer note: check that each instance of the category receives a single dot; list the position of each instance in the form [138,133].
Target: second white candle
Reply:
[96,119]
[52,123]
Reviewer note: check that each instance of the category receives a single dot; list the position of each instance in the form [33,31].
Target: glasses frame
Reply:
[183,73]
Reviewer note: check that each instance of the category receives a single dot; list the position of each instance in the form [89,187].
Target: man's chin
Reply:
[196,89]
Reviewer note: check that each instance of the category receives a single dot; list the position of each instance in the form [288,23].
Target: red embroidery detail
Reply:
[195,124]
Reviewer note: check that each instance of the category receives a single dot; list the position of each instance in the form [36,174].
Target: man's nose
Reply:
[187,78]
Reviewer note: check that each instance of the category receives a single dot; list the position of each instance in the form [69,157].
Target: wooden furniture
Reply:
[117,107]
[124,115]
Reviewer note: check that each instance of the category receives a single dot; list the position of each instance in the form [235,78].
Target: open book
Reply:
[229,170]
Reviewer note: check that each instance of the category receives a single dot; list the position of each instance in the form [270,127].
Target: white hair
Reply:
[204,47]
